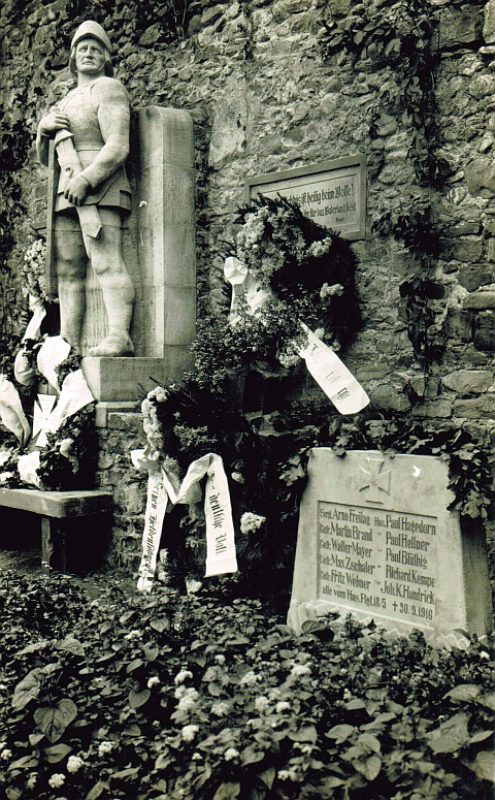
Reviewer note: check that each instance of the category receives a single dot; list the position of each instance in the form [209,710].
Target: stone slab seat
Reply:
[58,512]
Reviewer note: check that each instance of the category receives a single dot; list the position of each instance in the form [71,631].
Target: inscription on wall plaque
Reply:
[332,193]
[377,540]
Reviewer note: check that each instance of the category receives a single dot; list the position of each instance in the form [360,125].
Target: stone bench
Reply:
[61,515]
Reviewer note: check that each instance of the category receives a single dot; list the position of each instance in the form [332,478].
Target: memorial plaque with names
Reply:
[376,539]
[332,193]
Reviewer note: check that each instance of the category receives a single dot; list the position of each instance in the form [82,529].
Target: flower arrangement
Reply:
[64,455]
[33,271]
[305,274]
[68,458]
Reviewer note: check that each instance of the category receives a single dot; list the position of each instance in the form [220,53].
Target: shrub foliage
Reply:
[160,696]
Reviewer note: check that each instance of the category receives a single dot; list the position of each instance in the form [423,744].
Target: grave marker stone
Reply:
[376,539]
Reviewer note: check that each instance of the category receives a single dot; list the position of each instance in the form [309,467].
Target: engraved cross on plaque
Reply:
[375,480]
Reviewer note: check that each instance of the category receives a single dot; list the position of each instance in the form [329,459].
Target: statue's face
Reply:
[90,57]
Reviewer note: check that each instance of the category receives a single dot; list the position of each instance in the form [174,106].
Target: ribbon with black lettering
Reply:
[220,538]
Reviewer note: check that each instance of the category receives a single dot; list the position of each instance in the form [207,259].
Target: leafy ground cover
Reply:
[162,697]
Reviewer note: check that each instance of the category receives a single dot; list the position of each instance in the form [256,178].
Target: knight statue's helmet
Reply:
[93,30]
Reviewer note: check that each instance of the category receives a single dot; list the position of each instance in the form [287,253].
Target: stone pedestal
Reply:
[159,250]
[376,540]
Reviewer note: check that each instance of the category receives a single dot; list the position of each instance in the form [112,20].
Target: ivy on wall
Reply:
[400,38]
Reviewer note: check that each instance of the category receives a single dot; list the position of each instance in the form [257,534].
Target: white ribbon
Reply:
[162,487]
[27,466]
[156,506]
[245,285]
[23,372]
[332,375]
[52,352]
[11,411]
[74,395]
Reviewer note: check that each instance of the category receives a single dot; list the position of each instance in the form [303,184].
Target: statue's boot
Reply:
[118,303]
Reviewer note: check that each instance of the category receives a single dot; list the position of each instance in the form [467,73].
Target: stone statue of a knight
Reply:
[90,129]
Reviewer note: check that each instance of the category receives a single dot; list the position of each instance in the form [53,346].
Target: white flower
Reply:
[238,477]
[298,670]
[251,522]
[289,359]
[154,681]
[188,702]
[196,757]
[32,780]
[283,705]
[6,754]
[336,289]
[261,703]
[57,780]
[220,709]
[230,754]
[74,763]
[159,394]
[182,676]
[287,775]
[189,732]
[249,679]
[220,659]
[105,747]
[193,586]
[133,634]
[65,446]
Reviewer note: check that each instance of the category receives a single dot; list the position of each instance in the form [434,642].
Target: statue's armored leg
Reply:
[71,263]
[116,286]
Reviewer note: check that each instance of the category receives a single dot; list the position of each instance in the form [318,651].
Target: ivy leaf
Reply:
[465,691]
[57,752]
[134,665]
[268,777]
[369,768]
[97,790]
[151,652]
[340,732]
[481,736]
[53,721]
[251,756]
[26,762]
[71,645]
[487,700]
[450,736]
[483,766]
[26,690]
[307,734]
[138,699]
[160,624]
[227,791]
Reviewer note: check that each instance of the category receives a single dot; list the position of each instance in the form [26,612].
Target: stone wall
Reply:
[263,99]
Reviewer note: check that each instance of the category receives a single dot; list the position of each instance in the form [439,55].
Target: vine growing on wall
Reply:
[400,36]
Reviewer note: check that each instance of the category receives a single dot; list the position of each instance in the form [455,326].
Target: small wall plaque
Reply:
[332,193]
